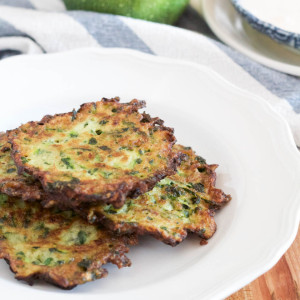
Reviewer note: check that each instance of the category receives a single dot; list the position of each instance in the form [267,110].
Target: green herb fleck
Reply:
[25,159]
[82,149]
[103,122]
[105,148]
[134,172]
[164,228]
[74,113]
[11,170]
[40,151]
[124,148]
[110,209]
[128,123]
[75,180]
[73,134]
[200,159]
[106,174]
[195,200]
[199,187]
[46,232]
[55,250]
[67,162]
[48,261]
[186,213]
[202,231]
[98,131]
[189,191]
[138,161]
[39,226]
[3,199]
[84,264]
[92,141]
[92,172]
[81,238]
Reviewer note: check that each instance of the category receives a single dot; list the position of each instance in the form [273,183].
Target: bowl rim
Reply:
[290,38]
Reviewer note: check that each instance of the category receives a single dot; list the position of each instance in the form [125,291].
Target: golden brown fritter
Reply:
[160,212]
[104,152]
[58,247]
[13,184]
[182,203]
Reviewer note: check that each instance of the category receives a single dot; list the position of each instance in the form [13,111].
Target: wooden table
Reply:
[282,282]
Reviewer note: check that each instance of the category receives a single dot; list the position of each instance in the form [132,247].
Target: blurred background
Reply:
[266,31]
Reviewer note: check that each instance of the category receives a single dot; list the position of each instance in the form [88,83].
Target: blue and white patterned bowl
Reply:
[282,36]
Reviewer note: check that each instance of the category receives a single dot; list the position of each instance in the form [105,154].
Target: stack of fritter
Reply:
[77,188]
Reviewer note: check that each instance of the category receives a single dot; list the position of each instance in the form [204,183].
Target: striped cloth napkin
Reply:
[44,26]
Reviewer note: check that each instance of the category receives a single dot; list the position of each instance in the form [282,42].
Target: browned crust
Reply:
[13,184]
[195,172]
[56,275]
[116,194]
[20,188]
[135,228]
[58,281]
[207,177]
[74,193]
[218,198]
[102,249]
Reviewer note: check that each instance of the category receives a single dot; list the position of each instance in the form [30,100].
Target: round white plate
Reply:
[259,167]
[230,27]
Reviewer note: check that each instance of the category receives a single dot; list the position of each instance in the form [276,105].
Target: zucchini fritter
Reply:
[184,202]
[104,152]
[58,247]
[11,183]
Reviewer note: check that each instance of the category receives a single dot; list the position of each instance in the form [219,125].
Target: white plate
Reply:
[259,167]
[230,27]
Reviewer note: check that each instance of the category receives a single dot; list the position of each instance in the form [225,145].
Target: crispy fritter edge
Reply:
[121,261]
[18,187]
[220,200]
[141,230]
[66,197]
[49,274]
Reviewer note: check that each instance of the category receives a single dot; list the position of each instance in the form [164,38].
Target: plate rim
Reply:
[260,58]
[268,262]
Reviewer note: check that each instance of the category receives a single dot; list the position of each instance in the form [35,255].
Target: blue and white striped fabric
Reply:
[44,26]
